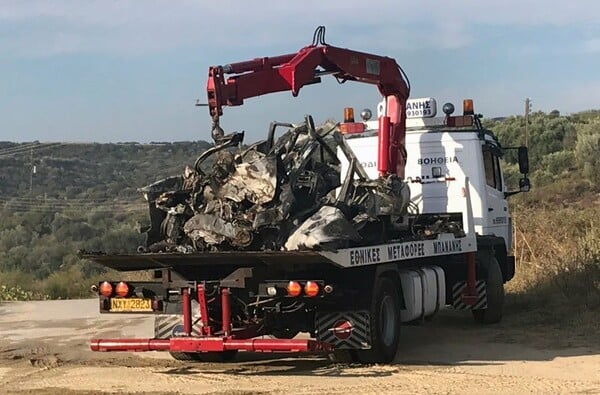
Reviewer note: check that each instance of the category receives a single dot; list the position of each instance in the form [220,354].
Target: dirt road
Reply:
[44,350]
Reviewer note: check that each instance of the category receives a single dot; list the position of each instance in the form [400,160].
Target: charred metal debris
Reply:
[287,194]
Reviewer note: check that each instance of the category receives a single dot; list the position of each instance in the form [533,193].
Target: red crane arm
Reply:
[293,71]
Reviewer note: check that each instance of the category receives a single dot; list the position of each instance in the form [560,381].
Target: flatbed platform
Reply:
[444,244]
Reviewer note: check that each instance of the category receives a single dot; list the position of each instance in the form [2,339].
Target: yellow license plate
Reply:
[130,305]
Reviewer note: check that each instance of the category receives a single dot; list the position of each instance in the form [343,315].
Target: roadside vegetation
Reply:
[557,224]
[83,197]
[557,279]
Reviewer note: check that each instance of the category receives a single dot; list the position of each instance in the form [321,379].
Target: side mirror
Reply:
[523,161]
[524,185]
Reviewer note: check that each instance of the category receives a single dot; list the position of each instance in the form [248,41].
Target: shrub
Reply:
[16,293]
[587,150]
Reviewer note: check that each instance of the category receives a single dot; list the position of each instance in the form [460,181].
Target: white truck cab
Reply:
[439,155]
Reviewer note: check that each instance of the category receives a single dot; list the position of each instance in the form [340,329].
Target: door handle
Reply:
[490,209]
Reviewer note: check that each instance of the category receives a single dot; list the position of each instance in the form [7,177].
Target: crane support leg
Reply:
[470,297]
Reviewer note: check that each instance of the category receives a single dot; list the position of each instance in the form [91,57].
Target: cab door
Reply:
[497,221]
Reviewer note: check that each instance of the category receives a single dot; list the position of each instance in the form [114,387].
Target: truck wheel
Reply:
[495,295]
[225,356]
[184,356]
[284,333]
[385,323]
[343,356]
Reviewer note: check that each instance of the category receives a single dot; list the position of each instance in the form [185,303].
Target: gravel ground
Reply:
[44,349]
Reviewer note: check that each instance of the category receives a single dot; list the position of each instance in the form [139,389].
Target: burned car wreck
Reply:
[288,194]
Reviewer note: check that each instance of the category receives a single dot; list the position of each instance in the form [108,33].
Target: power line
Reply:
[18,148]
[18,209]
[68,201]
[27,150]
[59,202]
[77,205]
[24,148]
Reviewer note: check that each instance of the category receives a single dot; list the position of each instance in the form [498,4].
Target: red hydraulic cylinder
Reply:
[226,310]
[187,311]
[257,64]
[470,296]
[383,154]
[206,329]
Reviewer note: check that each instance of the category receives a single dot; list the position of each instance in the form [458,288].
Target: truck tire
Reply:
[217,357]
[343,356]
[185,356]
[284,333]
[495,295]
[385,323]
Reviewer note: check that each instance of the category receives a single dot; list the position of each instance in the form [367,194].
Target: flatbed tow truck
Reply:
[448,244]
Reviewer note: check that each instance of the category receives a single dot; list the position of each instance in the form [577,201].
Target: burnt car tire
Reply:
[216,357]
[385,323]
[494,284]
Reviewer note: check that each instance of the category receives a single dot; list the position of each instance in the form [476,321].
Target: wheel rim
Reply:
[387,320]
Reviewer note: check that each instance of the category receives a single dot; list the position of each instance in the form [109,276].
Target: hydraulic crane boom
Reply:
[293,71]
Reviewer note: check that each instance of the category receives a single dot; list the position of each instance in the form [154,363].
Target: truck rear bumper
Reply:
[211,344]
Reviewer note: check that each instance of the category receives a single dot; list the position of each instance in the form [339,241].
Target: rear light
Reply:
[352,127]
[294,288]
[468,107]
[312,289]
[106,289]
[349,115]
[459,121]
[122,289]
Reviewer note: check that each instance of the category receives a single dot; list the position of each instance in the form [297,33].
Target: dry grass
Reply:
[558,264]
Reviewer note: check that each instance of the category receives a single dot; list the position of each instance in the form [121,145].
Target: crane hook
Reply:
[217,132]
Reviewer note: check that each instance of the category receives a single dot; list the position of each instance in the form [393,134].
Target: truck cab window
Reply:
[497,173]
[488,164]
[491,164]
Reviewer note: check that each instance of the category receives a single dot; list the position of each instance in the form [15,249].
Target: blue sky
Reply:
[132,70]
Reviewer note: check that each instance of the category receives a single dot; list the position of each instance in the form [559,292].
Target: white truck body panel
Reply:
[444,244]
[455,155]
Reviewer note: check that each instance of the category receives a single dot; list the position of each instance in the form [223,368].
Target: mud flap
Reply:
[344,330]
[171,325]
[460,288]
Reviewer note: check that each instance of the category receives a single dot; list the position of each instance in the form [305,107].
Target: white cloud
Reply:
[41,28]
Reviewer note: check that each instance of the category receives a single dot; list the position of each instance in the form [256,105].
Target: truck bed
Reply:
[406,250]
[145,261]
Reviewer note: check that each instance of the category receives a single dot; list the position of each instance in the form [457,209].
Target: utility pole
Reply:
[527,112]
[31,172]
[515,234]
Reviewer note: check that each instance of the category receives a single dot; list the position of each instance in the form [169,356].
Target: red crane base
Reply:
[211,344]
